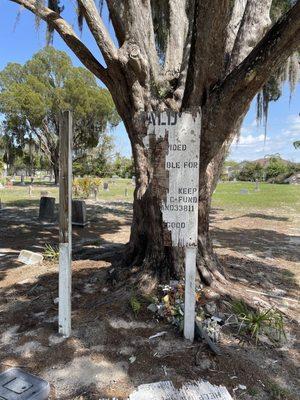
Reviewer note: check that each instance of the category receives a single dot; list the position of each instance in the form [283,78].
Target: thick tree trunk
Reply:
[56,173]
[54,159]
[55,166]
[147,246]
[208,265]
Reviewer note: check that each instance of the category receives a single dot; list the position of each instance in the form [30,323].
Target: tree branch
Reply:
[229,101]
[207,60]
[132,20]
[179,26]
[255,21]
[234,24]
[69,36]
[117,14]
[99,31]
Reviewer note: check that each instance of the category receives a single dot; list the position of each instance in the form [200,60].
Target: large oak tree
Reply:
[180,55]
[33,95]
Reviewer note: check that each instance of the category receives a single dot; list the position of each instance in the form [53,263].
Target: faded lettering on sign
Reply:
[180,207]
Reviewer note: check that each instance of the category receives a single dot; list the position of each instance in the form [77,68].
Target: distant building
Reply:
[229,172]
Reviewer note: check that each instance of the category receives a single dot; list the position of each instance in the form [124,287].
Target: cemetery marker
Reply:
[65,223]
[79,217]
[180,206]
[47,208]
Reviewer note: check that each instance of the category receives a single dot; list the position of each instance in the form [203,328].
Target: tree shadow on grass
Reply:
[21,204]
[260,216]
[21,229]
[262,276]
[262,243]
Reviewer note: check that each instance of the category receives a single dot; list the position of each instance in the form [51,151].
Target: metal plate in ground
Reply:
[16,384]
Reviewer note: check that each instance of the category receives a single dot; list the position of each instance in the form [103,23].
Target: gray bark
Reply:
[254,23]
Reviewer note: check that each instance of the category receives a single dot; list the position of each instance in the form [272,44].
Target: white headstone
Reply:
[30,258]
[197,390]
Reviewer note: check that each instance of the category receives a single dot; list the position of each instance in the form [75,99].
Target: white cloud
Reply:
[250,140]
[293,128]
[294,119]
[252,144]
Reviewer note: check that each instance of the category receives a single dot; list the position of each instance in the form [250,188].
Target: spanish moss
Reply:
[55,6]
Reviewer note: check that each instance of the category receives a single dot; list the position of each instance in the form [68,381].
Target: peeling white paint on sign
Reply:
[180,209]
[197,390]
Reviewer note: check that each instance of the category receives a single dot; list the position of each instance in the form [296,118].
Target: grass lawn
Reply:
[269,196]
[19,195]
[227,195]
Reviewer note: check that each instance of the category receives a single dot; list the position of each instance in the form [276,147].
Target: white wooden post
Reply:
[65,224]
[189,294]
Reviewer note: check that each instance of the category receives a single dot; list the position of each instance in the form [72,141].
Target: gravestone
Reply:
[133,181]
[244,191]
[201,390]
[22,180]
[47,209]
[95,190]
[16,384]
[105,187]
[79,217]
[126,192]
[29,258]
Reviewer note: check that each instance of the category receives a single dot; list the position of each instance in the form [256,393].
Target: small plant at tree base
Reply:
[278,393]
[255,322]
[135,304]
[51,252]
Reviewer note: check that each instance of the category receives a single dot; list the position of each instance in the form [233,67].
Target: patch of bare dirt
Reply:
[109,353]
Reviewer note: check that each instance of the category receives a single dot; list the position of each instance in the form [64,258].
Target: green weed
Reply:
[51,252]
[135,305]
[255,322]
[279,393]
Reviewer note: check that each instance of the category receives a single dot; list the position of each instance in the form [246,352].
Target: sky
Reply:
[19,40]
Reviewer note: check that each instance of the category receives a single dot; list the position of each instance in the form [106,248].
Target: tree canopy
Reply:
[33,95]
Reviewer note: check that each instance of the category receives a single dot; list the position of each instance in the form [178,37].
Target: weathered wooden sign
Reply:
[180,207]
[181,132]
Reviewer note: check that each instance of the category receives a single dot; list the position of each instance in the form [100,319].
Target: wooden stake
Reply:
[189,294]
[65,224]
